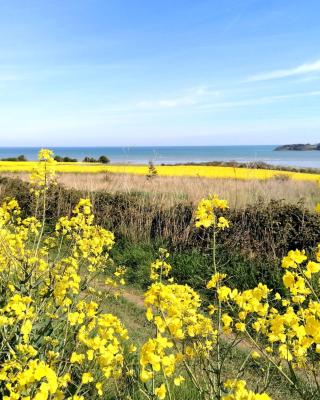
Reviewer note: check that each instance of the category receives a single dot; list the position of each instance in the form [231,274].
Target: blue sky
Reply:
[169,72]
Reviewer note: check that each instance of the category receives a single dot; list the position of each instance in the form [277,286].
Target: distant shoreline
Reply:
[242,154]
[298,147]
[250,165]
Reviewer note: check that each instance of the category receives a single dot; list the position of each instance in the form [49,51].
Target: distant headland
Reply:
[298,147]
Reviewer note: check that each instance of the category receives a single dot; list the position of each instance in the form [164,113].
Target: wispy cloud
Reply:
[259,100]
[166,103]
[192,96]
[302,69]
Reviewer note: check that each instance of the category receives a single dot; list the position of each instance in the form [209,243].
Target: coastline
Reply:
[180,154]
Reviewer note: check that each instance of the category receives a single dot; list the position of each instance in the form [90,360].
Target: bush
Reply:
[259,231]
[65,159]
[101,159]
[89,160]
[250,250]
[19,158]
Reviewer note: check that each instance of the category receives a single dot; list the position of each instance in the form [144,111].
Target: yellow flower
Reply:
[205,213]
[238,391]
[149,314]
[99,388]
[215,279]
[86,378]
[145,375]
[223,223]
[178,380]
[226,320]
[293,259]
[255,355]
[77,358]
[240,326]
[26,329]
[161,391]
[132,348]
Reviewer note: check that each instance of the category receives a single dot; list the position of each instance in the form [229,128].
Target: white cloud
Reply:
[259,100]
[166,103]
[191,97]
[285,73]
[190,103]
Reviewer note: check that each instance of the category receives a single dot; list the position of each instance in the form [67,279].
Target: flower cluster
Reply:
[55,340]
[205,215]
[44,174]
[160,268]
[238,391]
[183,333]
[283,329]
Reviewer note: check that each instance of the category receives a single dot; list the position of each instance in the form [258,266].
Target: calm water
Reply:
[176,154]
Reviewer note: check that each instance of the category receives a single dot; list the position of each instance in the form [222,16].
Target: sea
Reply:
[179,154]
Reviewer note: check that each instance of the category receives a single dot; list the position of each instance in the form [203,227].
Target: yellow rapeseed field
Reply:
[178,170]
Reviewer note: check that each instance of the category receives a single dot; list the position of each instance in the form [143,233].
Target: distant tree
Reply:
[22,157]
[101,159]
[19,158]
[104,160]
[69,159]
[90,160]
[152,171]
[65,159]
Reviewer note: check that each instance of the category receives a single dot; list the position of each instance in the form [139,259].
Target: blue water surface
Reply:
[179,154]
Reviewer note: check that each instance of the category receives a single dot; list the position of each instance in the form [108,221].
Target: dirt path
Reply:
[133,297]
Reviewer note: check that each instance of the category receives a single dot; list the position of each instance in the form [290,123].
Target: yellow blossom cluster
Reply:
[160,268]
[183,332]
[238,391]
[45,172]
[100,339]
[55,340]
[205,215]
[282,328]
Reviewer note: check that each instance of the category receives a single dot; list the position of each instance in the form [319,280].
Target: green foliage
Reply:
[101,160]
[137,258]
[19,158]
[65,159]
[192,267]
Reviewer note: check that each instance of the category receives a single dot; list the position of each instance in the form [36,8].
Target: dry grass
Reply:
[170,190]
[173,189]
